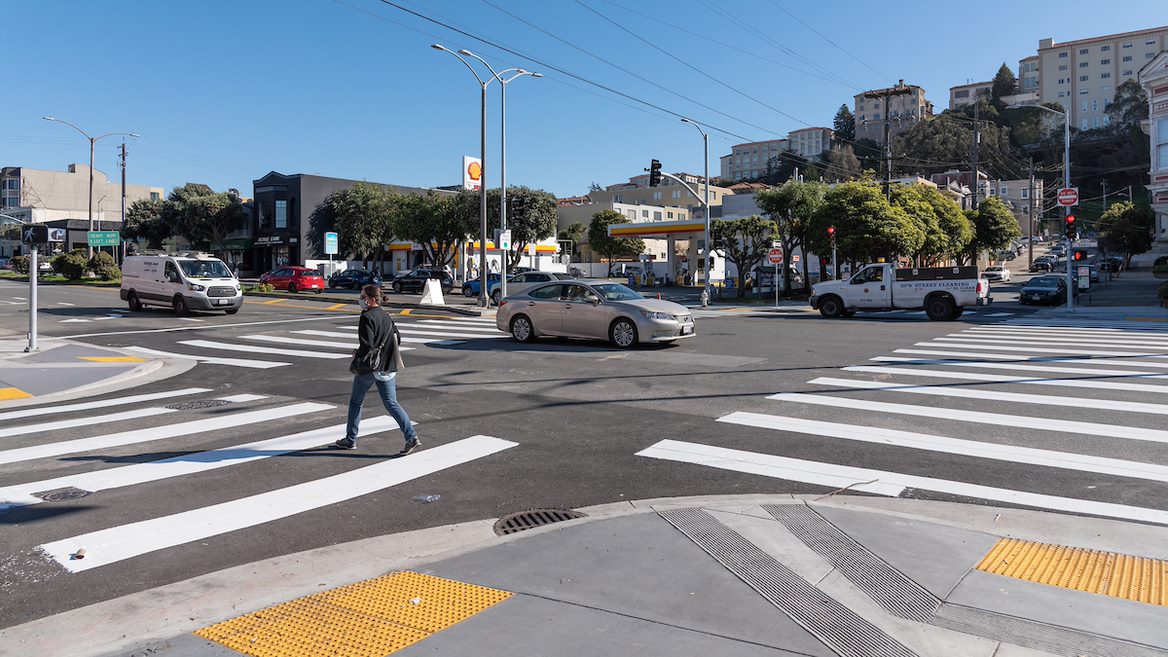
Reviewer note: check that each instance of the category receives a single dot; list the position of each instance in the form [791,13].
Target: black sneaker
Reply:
[411,445]
[345,443]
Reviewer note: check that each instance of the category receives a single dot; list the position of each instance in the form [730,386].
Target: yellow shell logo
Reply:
[475,171]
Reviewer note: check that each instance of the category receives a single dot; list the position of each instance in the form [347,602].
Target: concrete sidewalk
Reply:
[61,369]
[759,575]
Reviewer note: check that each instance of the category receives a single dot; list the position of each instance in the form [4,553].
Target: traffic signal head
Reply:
[654,173]
[1080,254]
[1071,229]
[831,231]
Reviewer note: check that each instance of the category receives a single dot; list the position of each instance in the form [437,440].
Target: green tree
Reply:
[71,265]
[104,265]
[611,248]
[1004,84]
[19,264]
[994,227]
[575,234]
[202,216]
[781,168]
[440,224]
[1129,107]
[844,125]
[144,221]
[841,163]
[939,144]
[744,242]
[531,218]
[365,217]
[868,228]
[1127,229]
[791,207]
[947,232]
[870,154]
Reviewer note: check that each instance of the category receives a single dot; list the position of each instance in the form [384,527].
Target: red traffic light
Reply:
[831,231]
[1070,219]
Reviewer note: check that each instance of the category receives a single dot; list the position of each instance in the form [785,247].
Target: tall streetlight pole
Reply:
[1066,114]
[503,82]
[707,292]
[484,301]
[92,142]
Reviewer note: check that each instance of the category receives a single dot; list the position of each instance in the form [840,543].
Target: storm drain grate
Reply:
[61,494]
[889,587]
[517,522]
[201,403]
[837,626]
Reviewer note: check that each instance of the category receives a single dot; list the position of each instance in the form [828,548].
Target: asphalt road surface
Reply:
[226,466]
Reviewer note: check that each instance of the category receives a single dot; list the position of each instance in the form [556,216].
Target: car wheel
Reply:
[332,285]
[957,313]
[180,306]
[397,288]
[467,291]
[495,296]
[318,291]
[940,308]
[831,306]
[292,288]
[623,333]
[135,304]
[521,329]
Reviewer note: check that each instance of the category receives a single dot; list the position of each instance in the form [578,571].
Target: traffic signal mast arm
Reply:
[662,174]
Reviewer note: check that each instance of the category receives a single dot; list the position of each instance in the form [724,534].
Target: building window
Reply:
[1095,123]
[1063,55]
[1105,76]
[1127,73]
[281,214]
[1061,94]
[1003,191]
[1083,92]
[1025,193]
[1083,51]
[1084,106]
[154,196]
[644,214]
[1083,78]
[1150,42]
[669,215]
[1083,64]
[1104,62]
[1127,45]
[12,183]
[656,215]
[1084,124]
[1107,120]
[1095,105]
[677,193]
[656,196]
[1062,67]
[1127,58]
[1105,48]
[1162,143]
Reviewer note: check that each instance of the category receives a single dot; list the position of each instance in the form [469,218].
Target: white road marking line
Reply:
[227,346]
[280,339]
[115,544]
[439,325]
[64,303]
[326,334]
[192,319]
[1095,385]
[226,421]
[195,328]
[1107,338]
[437,341]
[934,443]
[1102,325]
[991,346]
[993,395]
[988,358]
[1122,343]
[469,336]
[75,320]
[1000,315]
[140,473]
[1023,368]
[83,421]
[979,417]
[879,482]
[104,403]
[239,399]
[11,303]
[1016,328]
[20,298]
[212,360]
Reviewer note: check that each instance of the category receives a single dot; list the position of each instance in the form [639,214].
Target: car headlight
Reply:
[195,287]
[650,314]
[238,287]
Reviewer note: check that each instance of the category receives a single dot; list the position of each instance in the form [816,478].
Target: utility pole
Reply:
[1105,195]
[1030,221]
[886,94]
[122,162]
[976,142]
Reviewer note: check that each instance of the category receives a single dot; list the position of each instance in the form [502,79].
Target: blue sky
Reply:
[224,91]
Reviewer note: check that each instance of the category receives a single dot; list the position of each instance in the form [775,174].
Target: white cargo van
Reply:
[188,282]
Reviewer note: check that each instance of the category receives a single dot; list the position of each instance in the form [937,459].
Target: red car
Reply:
[294,279]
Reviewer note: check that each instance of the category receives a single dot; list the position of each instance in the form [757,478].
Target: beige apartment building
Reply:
[964,94]
[905,109]
[810,142]
[1082,75]
[669,194]
[39,195]
[749,161]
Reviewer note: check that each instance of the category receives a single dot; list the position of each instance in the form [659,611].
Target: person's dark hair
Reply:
[372,292]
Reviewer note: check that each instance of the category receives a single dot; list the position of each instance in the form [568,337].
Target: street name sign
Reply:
[104,238]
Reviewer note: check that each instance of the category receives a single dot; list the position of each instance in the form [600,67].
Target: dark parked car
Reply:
[1044,289]
[354,278]
[415,279]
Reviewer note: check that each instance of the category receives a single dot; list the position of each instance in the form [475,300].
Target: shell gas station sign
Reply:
[472,172]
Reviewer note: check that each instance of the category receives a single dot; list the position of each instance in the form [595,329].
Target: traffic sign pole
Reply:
[775,257]
[33,271]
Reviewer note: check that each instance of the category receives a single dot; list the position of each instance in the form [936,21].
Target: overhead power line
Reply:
[825,38]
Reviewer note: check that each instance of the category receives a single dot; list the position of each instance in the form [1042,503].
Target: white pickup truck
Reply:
[942,292]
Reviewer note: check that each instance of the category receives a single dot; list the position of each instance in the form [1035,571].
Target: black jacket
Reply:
[375,326]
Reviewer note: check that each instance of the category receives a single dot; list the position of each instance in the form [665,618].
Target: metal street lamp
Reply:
[518,73]
[707,293]
[1066,114]
[92,141]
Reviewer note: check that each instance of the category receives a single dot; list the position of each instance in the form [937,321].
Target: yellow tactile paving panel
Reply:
[1106,573]
[113,359]
[368,619]
[8,394]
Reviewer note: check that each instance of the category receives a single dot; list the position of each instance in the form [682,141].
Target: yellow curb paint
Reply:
[407,311]
[268,303]
[336,306]
[1106,573]
[376,617]
[8,394]
[113,359]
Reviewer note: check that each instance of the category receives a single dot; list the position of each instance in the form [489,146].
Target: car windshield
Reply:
[617,292]
[1046,281]
[204,269]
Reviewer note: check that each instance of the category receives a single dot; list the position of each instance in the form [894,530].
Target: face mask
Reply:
[364,303]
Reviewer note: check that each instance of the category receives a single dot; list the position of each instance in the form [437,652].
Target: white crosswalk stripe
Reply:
[1109,371]
[104,403]
[441,333]
[212,360]
[115,544]
[461,326]
[227,346]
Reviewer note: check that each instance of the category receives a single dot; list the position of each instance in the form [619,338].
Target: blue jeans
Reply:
[388,391]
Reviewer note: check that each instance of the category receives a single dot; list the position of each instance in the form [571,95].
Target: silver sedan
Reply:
[593,309]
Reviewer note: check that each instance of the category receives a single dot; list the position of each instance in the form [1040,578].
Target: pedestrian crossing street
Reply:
[1082,400]
[105,455]
[270,350]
